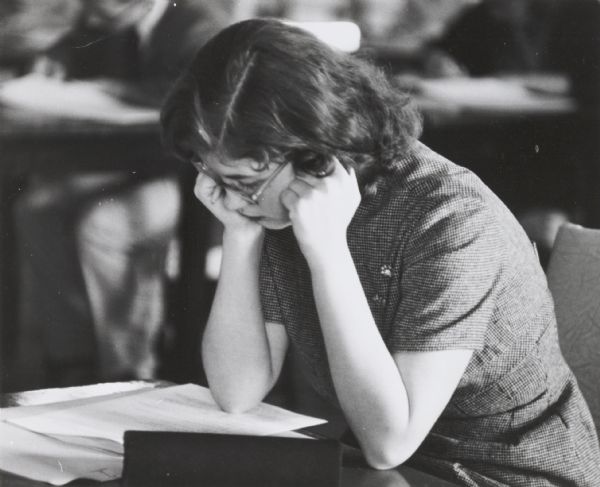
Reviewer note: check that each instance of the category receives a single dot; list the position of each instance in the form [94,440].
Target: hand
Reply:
[211,195]
[321,209]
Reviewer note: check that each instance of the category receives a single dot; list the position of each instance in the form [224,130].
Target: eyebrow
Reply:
[252,178]
[236,177]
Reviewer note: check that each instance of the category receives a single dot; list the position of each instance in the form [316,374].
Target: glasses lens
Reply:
[251,195]
[258,193]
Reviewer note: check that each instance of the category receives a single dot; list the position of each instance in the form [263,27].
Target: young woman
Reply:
[412,297]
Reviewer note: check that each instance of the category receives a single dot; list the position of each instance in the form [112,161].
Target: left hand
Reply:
[321,209]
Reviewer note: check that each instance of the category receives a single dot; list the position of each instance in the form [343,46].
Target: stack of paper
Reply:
[59,442]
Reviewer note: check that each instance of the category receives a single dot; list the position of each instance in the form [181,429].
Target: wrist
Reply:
[246,238]
[241,250]
[327,255]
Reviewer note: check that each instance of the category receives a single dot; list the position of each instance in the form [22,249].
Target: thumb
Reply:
[206,189]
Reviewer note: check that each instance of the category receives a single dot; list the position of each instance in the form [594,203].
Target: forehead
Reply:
[227,166]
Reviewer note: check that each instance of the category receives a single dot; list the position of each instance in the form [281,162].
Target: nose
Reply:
[233,201]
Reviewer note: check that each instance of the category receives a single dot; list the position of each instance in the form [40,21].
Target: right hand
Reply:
[211,195]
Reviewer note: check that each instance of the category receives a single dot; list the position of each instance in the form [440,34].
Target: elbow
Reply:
[385,455]
[235,408]
[385,459]
[234,403]
[234,396]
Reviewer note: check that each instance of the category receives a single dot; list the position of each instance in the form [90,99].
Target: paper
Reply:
[45,400]
[83,437]
[72,99]
[63,394]
[185,408]
[47,459]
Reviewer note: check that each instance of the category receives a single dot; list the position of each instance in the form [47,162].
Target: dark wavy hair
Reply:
[270,91]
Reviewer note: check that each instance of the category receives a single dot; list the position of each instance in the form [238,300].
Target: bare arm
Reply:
[241,354]
[390,402]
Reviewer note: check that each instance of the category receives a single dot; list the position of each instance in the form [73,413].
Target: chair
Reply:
[574,281]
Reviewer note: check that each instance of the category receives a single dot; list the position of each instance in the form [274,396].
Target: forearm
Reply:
[235,347]
[366,379]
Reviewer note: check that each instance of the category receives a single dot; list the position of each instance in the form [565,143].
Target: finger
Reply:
[200,187]
[206,189]
[352,173]
[351,181]
[289,199]
[301,187]
[339,169]
[344,175]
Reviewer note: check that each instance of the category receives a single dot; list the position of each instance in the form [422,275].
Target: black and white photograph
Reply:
[300,243]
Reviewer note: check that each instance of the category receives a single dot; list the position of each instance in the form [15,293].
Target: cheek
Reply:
[271,203]
[272,208]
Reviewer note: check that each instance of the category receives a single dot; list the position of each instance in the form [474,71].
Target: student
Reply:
[412,297]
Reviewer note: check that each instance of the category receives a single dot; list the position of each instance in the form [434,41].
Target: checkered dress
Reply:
[445,265]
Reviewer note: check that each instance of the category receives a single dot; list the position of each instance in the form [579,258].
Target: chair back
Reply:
[574,281]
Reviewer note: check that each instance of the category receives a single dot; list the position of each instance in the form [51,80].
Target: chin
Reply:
[275,224]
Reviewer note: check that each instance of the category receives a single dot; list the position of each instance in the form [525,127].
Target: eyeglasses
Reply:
[251,197]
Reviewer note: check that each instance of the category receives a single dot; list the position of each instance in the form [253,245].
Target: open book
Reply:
[89,432]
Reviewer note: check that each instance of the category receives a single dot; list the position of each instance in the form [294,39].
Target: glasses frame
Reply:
[252,198]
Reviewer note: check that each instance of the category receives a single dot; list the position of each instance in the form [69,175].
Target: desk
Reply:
[355,476]
[351,477]
[41,144]
[469,100]
[526,137]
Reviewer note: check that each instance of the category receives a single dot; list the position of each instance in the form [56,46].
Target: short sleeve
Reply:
[448,280]
[271,306]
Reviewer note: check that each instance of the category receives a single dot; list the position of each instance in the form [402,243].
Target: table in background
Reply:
[525,136]
[355,476]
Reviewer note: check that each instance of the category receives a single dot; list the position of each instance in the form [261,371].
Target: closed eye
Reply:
[245,187]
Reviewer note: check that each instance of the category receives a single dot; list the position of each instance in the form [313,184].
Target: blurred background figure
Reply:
[496,36]
[28,27]
[97,245]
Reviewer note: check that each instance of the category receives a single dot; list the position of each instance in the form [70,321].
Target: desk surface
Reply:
[461,102]
[351,477]
[18,124]
[354,476]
